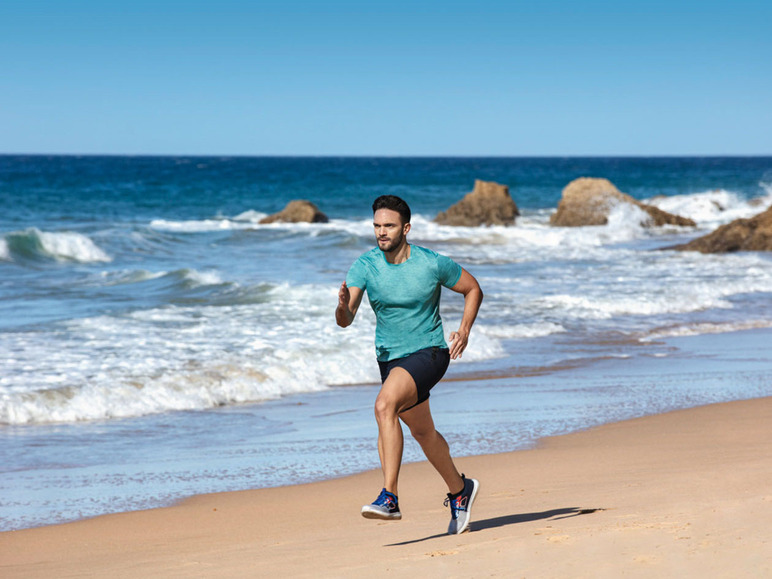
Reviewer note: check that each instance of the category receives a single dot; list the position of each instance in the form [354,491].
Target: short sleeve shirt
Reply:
[405,298]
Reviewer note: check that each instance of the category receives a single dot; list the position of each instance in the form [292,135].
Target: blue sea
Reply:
[157,342]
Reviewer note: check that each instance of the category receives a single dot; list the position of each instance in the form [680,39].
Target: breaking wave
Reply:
[67,246]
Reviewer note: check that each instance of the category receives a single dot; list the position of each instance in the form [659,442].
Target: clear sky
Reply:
[373,77]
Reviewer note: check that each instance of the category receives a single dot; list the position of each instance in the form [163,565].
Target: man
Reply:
[403,284]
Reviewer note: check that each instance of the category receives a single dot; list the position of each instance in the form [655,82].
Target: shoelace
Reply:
[455,504]
[385,500]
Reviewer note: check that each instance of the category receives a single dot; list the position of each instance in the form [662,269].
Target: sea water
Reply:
[157,341]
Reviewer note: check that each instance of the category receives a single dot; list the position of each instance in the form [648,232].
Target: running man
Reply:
[403,284]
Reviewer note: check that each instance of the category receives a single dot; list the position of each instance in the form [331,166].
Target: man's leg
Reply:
[397,392]
[419,420]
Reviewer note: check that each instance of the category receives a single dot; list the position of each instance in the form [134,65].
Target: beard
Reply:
[389,245]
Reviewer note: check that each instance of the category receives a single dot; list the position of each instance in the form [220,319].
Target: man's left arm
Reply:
[473,297]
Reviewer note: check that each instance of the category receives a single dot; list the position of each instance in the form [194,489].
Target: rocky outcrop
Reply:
[488,204]
[588,201]
[298,211]
[753,234]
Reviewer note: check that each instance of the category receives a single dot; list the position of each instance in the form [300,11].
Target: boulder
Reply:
[298,211]
[588,201]
[753,234]
[488,204]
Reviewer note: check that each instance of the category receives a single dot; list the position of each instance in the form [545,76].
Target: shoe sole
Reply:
[373,514]
[476,487]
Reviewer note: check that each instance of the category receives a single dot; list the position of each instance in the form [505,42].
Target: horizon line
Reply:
[400,156]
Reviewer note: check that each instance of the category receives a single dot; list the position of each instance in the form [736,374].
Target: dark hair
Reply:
[395,204]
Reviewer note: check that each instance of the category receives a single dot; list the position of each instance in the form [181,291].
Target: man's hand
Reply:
[343,296]
[473,297]
[458,342]
[348,304]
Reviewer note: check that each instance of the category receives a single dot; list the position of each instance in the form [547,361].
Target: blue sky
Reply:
[475,78]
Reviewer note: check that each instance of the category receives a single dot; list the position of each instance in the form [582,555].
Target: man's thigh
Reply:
[399,389]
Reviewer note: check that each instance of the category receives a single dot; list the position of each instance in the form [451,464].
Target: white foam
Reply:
[705,328]
[187,358]
[190,277]
[251,216]
[5,253]
[531,239]
[597,307]
[202,278]
[248,220]
[67,246]
[520,331]
[197,226]
[129,276]
[628,217]
[539,280]
[622,282]
[712,208]
[532,233]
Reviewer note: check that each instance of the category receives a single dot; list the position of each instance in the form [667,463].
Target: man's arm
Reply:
[348,304]
[473,297]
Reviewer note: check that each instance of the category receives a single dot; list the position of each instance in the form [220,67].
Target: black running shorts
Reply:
[426,367]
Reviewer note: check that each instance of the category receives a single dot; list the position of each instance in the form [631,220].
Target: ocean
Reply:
[157,342]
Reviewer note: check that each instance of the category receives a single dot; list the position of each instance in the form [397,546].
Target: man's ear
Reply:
[405,228]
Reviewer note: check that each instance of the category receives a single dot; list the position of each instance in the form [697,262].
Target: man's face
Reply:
[389,229]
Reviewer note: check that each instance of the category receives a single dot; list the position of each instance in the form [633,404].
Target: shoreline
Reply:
[156,461]
[681,491]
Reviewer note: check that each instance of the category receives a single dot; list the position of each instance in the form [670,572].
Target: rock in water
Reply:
[298,211]
[753,234]
[589,201]
[488,204]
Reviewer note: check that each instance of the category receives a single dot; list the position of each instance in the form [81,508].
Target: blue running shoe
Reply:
[461,506]
[384,507]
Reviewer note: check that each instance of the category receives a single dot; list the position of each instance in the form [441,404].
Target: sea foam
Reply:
[192,358]
[712,208]
[704,328]
[65,246]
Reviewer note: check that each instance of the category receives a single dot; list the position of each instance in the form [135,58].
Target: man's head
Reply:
[395,204]
[391,221]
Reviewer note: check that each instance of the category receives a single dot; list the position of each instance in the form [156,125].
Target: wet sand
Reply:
[684,493]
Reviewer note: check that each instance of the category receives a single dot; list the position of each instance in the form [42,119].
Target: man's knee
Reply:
[397,393]
[422,434]
[385,407]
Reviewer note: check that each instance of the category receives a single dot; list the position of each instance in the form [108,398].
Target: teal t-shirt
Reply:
[405,298]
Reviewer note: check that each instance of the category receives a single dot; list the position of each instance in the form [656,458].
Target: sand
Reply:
[683,494]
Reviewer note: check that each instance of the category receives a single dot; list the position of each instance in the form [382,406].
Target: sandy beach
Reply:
[679,494]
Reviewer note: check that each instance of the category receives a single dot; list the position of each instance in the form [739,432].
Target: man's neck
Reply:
[398,255]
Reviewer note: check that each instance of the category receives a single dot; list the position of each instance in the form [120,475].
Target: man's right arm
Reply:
[348,304]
